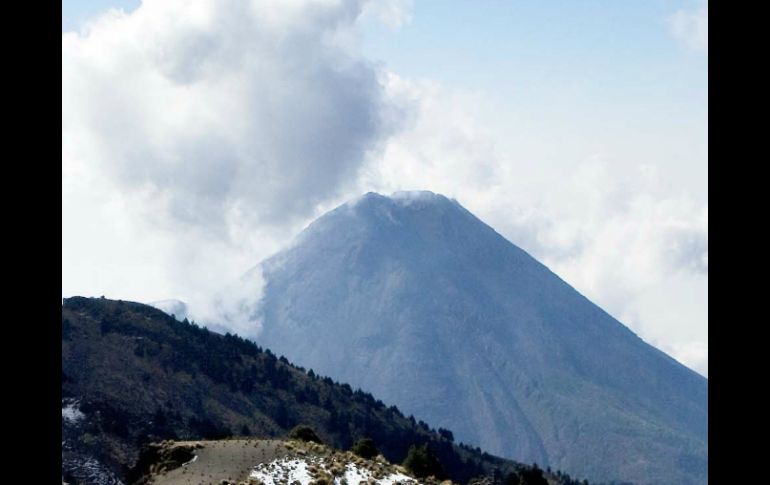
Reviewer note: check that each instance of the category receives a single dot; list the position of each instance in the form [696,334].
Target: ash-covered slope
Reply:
[414,299]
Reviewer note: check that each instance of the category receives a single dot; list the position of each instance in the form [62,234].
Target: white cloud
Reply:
[196,135]
[693,354]
[227,113]
[691,27]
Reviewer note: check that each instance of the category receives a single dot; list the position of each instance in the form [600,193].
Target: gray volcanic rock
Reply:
[414,299]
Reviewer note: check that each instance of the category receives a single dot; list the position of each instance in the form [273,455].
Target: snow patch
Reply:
[70,411]
[394,478]
[89,470]
[282,470]
[291,470]
[195,457]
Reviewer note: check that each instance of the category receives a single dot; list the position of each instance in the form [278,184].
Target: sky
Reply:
[200,136]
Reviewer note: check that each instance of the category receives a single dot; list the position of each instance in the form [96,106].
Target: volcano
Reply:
[414,299]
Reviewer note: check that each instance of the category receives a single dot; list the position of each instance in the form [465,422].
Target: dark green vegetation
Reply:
[365,448]
[532,476]
[139,376]
[423,463]
[304,433]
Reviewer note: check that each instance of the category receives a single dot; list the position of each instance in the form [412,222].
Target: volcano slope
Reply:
[413,298]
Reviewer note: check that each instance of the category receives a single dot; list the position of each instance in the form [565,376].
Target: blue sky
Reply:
[577,129]
[590,69]
[76,12]
[495,45]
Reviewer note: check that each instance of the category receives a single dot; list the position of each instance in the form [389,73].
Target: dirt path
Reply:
[230,460]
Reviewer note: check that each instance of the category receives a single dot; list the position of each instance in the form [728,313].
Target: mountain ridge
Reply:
[132,375]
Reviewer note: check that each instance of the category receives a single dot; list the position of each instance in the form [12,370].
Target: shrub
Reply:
[512,479]
[422,462]
[533,476]
[304,433]
[365,448]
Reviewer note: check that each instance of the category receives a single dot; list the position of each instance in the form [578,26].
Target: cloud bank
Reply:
[204,132]
[226,113]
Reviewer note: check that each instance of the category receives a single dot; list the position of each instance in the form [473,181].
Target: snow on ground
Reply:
[85,469]
[291,470]
[70,411]
[394,478]
[195,457]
